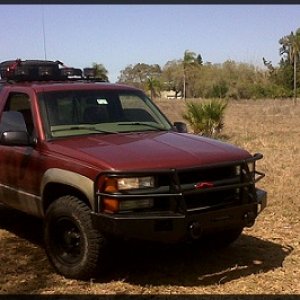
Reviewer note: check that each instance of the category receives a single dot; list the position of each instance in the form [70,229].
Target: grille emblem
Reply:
[203,185]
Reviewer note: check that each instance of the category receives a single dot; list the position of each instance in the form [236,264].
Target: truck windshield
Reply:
[82,112]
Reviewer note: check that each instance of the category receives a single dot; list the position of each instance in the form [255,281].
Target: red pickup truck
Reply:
[99,161]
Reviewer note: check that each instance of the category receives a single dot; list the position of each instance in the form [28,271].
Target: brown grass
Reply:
[265,260]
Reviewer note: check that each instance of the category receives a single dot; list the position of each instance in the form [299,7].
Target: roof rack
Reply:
[43,70]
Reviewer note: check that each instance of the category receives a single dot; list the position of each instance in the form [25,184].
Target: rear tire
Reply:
[73,246]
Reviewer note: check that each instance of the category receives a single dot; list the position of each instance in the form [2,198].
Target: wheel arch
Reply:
[58,182]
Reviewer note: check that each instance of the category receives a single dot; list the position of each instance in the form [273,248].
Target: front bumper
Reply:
[173,227]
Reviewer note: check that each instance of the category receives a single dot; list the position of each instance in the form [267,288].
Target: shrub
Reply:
[205,118]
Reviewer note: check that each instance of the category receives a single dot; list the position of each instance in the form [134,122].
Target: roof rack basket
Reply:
[37,70]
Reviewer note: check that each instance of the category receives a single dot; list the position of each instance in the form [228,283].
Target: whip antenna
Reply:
[44,36]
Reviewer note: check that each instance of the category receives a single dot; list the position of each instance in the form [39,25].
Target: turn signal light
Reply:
[111,185]
[110,205]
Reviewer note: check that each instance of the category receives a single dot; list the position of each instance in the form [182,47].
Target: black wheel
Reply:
[73,246]
[223,238]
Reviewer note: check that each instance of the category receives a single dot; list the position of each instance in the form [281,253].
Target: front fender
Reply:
[83,184]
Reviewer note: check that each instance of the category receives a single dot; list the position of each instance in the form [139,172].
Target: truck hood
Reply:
[150,150]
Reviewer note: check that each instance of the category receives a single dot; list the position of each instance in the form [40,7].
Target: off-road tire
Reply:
[73,246]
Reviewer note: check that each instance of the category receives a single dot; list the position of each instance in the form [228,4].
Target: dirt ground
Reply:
[264,260]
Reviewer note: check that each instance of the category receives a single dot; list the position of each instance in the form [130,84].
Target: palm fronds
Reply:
[205,118]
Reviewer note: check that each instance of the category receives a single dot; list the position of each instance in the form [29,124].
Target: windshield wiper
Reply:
[91,128]
[143,124]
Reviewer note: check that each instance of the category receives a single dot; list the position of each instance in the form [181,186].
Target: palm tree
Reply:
[100,71]
[188,59]
[153,85]
[291,47]
[206,118]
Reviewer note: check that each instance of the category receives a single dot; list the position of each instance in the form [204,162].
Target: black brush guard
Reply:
[183,207]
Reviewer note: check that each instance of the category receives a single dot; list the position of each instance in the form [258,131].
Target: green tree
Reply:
[189,58]
[139,74]
[100,71]
[153,85]
[172,77]
[177,75]
[199,59]
[290,47]
[220,89]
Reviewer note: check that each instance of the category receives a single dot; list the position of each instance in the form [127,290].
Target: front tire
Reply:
[73,246]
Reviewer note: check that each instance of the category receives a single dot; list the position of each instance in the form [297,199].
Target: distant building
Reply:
[170,94]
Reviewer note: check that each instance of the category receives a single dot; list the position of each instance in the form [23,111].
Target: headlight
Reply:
[132,183]
[112,185]
[116,184]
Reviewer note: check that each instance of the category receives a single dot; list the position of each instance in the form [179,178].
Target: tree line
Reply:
[191,77]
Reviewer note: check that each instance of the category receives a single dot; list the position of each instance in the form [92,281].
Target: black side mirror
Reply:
[180,127]
[12,121]
[13,130]
[15,138]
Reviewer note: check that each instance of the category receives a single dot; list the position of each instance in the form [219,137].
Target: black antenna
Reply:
[44,36]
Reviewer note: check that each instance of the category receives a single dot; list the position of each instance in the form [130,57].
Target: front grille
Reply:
[195,189]
[210,174]
[210,199]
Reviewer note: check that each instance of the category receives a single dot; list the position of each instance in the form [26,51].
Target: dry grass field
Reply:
[265,259]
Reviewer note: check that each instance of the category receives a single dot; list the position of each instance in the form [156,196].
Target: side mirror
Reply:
[15,138]
[180,127]
[12,121]
[13,130]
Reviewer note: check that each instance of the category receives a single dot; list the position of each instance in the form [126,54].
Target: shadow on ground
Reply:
[140,264]
[190,265]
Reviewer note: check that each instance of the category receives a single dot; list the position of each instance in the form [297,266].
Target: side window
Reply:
[20,102]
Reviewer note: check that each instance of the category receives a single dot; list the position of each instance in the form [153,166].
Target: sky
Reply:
[121,35]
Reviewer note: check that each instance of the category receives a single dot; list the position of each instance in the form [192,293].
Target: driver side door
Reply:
[19,183]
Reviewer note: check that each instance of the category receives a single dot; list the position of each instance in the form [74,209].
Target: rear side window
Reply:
[17,102]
